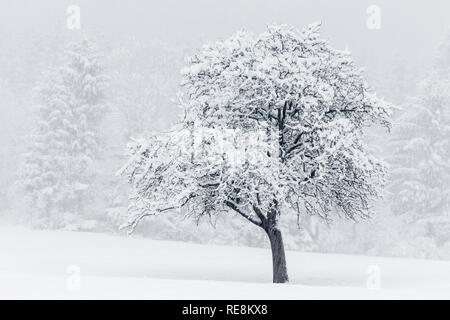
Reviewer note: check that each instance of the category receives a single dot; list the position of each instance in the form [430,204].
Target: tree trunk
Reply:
[280,274]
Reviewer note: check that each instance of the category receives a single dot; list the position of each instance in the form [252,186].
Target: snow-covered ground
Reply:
[45,264]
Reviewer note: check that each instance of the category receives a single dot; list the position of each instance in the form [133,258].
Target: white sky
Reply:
[409,28]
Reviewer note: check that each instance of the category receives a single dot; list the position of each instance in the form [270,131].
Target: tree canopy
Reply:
[293,109]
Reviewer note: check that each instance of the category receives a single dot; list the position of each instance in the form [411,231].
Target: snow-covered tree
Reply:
[6,146]
[142,84]
[59,167]
[144,79]
[441,65]
[421,144]
[271,122]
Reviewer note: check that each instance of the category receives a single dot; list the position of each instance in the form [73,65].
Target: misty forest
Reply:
[280,136]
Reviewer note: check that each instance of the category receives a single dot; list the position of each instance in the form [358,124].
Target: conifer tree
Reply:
[59,166]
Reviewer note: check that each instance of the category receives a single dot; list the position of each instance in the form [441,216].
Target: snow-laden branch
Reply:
[270,121]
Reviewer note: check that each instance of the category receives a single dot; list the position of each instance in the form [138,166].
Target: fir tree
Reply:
[59,167]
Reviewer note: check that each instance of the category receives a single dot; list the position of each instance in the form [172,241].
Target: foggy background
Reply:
[409,28]
[144,44]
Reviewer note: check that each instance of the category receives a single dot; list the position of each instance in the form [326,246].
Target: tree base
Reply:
[280,274]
